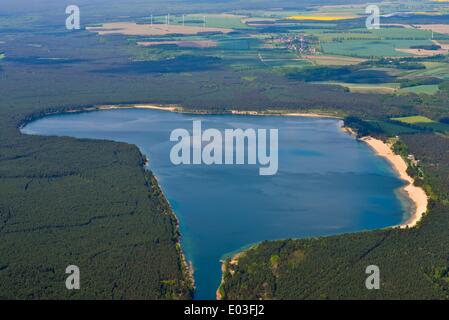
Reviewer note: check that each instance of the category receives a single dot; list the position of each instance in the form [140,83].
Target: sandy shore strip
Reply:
[233,262]
[176,108]
[139,106]
[284,114]
[416,194]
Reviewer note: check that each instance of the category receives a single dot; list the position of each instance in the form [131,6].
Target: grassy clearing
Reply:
[249,78]
[327,60]
[414,119]
[373,43]
[225,21]
[384,88]
[371,48]
[364,34]
[392,129]
[433,69]
[425,89]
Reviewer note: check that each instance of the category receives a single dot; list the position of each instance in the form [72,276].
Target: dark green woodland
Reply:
[92,203]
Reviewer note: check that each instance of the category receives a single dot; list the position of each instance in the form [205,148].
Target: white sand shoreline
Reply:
[416,194]
[139,106]
[176,108]
[284,114]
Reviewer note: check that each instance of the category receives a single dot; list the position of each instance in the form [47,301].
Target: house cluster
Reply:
[298,43]
[411,158]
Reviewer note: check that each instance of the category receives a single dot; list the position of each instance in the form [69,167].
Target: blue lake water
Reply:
[327,183]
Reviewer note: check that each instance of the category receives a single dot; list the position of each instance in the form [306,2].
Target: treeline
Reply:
[88,203]
[349,74]
[426,47]
[398,63]
[183,63]
[406,83]
[362,127]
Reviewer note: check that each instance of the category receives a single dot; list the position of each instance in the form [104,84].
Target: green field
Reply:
[433,69]
[393,129]
[212,20]
[371,48]
[414,119]
[384,88]
[425,89]
[265,48]
[393,33]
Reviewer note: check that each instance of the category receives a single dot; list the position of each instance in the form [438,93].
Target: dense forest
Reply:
[88,203]
[91,203]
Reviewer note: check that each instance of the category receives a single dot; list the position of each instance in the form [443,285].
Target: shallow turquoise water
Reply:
[327,183]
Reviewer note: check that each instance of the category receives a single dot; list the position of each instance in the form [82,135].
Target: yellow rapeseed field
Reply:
[320,18]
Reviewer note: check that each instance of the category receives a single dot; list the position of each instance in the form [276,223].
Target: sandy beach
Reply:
[236,112]
[308,115]
[416,194]
[153,107]
[233,262]
[287,114]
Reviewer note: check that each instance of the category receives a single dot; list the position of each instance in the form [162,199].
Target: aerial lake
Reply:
[327,183]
